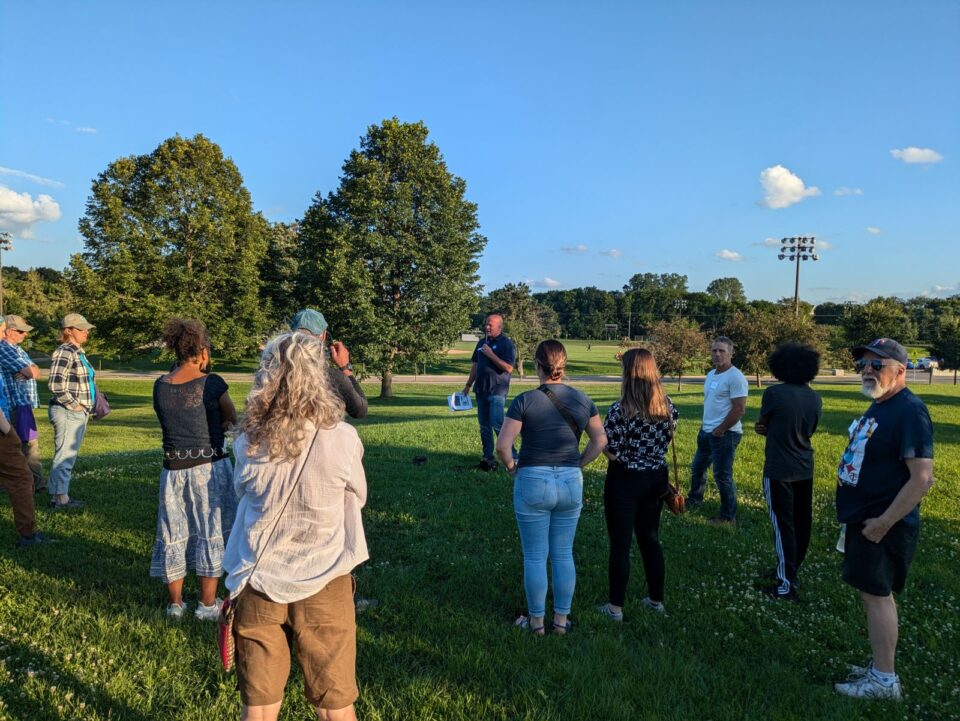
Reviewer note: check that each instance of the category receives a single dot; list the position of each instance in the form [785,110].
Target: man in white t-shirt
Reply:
[724,402]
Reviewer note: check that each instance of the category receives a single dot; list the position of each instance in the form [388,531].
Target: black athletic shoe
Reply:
[774,593]
[771,575]
[486,465]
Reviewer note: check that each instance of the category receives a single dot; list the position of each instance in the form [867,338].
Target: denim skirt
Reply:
[194,517]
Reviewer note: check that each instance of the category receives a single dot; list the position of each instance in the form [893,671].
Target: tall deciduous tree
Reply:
[278,273]
[946,343]
[729,290]
[172,232]
[878,318]
[526,320]
[676,344]
[755,333]
[391,256]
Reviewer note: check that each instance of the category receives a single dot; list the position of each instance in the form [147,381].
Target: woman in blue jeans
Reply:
[548,482]
[72,396]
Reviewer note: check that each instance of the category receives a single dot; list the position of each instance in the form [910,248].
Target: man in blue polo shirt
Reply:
[493,360]
[885,471]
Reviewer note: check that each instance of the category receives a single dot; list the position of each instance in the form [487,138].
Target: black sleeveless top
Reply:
[190,418]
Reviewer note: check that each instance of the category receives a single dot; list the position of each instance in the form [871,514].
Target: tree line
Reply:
[391,256]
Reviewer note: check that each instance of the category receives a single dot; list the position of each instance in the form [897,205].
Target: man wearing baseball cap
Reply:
[884,473]
[20,376]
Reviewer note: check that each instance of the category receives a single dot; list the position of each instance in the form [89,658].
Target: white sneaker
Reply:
[653,605]
[610,613]
[209,613]
[854,672]
[869,686]
[176,611]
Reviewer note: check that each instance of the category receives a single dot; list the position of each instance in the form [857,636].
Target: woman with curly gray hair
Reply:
[297,536]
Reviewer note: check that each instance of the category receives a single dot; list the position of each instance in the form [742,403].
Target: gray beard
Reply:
[873,390]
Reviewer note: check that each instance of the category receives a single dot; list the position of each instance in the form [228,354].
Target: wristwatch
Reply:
[347,367]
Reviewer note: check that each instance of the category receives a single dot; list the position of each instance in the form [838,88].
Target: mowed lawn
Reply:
[83,634]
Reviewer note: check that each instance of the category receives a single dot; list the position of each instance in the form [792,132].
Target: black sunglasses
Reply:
[874,363]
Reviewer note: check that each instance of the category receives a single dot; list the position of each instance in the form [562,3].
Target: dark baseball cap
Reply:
[883,347]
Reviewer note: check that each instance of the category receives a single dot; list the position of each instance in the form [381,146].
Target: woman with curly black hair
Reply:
[197,502]
[789,414]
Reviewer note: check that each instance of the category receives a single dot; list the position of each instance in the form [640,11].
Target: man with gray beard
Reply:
[884,473]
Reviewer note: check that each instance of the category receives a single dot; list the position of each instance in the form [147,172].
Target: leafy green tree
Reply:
[172,232]
[728,290]
[677,344]
[878,318]
[278,273]
[652,297]
[391,256]
[829,313]
[525,320]
[756,333]
[946,343]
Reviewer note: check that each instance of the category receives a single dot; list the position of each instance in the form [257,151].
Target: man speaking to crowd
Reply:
[493,360]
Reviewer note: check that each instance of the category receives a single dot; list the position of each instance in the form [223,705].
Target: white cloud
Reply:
[546,282]
[917,155]
[612,253]
[942,291]
[769,243]
[782,188]
[824,245]
[873,230]
[574,249]
[89,131]
[30,176]
[730,255]
[54,121]
[19,212]
[843,190]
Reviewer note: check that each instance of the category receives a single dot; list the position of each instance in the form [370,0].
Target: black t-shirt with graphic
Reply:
[792,412]
[872,470]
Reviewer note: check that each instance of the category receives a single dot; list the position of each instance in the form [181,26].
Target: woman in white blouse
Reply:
[297,536]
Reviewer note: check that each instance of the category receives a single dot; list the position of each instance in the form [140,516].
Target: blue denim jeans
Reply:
[69,428]
[490,418]
[547,501]
[719,452]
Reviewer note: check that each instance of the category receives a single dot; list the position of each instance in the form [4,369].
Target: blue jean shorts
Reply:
[194,517]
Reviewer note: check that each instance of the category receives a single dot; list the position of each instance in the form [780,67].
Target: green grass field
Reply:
[83,634]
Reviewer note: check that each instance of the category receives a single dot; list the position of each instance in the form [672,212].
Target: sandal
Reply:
[562,629]
[524,622]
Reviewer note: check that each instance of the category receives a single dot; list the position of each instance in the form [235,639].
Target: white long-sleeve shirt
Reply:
[320,534]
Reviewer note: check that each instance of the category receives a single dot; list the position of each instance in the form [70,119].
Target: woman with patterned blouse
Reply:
[639,428]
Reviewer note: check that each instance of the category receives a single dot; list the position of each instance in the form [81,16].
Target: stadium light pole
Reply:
[6,243]
[796,249]
[680,304]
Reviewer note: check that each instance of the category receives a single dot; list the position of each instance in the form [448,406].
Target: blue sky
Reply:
[598,139]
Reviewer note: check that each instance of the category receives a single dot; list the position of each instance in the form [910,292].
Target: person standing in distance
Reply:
[493,360]
[789,415]
[724,403]
[884,473]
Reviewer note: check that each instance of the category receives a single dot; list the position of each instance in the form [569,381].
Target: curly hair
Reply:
[290,388]
[186,338]
[641,393]
[552,357]
[794,363]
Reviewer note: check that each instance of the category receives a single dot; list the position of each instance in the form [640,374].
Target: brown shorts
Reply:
[323,632]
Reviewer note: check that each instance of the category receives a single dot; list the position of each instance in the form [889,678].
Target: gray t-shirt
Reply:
[547,439]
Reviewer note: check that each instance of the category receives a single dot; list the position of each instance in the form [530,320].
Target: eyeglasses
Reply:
[875,363]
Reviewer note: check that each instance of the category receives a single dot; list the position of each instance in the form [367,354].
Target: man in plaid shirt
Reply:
[20,375]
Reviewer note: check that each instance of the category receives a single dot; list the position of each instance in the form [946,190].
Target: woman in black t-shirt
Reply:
[639,428]
[548,482]
[197,501]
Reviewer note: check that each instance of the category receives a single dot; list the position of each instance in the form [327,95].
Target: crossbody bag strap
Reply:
[276,521]
[567,416]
